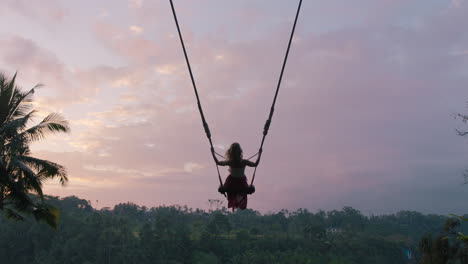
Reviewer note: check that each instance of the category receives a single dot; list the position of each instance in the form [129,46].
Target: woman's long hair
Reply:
[234,153]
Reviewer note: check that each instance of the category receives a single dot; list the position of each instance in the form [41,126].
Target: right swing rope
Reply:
[272,109]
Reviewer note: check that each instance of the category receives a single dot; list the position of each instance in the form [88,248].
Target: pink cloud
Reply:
[126,44]
[44,10]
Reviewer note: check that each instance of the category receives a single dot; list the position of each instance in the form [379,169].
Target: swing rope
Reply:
[272,109]
[221,156]
[205,124]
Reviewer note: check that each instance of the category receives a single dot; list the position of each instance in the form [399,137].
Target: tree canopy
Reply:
[129,233]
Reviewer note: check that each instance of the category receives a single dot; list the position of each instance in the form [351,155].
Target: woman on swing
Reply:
[236,184]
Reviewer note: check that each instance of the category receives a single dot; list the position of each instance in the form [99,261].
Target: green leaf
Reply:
[47,214]
[459,217]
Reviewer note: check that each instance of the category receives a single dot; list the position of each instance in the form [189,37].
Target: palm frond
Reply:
[459,217]
[52,123]
[7,92]
[19,103]
[18,196]
[9,129]
[42,212]
[18,145]
[46,169]
[22,102]
[12,214]
[22,110]
[30,178]
[13,102]
[48,214]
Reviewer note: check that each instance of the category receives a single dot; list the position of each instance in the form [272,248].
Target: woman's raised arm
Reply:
[254,164]
[219,163]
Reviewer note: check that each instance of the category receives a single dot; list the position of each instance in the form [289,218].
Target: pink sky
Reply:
[364,117]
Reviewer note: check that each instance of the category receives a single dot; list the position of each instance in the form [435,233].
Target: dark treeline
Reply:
[132,234]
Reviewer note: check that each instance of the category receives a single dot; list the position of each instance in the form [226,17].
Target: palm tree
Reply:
[21,176]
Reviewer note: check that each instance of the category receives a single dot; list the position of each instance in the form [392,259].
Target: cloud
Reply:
[166,69]
[24,54]
[118,170]
[457,3]
[136,3]
[191,166]
[136,29]
[132,47]
[47,10]
[63,85]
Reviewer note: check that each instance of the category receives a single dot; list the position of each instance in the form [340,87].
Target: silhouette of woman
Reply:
[236,184]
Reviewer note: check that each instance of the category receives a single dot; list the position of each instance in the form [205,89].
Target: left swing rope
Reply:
[205,124]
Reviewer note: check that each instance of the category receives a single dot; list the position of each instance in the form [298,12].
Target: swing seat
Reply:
[249,190]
